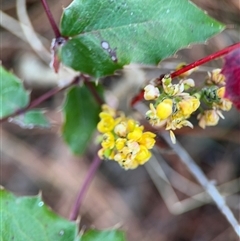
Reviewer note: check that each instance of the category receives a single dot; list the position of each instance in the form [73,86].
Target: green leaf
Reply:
[108,34]
[81,118]
[31,119]
[111,235]
[13,96]
[28,218]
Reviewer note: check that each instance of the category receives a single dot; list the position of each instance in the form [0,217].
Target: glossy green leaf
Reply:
[111,235]
[31,119]
[81,118]
[28,218]
[107,34]
[13,96]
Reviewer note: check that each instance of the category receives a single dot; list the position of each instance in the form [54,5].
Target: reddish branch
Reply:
[51,19]
[87,181]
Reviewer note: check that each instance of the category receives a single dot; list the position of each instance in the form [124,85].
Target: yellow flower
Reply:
[147,139]
[123,140]
[136,133]
[215,77]
[120,143]
[143,155]
[133,146]
[208,118]
[129,164]
[106,123]
[164,109]
[224,105]
[119,157]
[108,141]
[109,110]
[189,105]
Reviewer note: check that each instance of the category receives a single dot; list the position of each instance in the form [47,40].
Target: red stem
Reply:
[205,59]
[197,63]
[51,19]
[39,100]
[87,181]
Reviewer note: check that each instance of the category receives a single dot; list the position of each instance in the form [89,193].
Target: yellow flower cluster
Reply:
[123,139]
[173,107]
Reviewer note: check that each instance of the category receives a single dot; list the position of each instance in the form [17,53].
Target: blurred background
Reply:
[160,201]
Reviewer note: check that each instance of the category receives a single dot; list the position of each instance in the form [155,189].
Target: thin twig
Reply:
[51,19]
[29,32]
[210,189]
[87,181]
[92,89]
[41,99]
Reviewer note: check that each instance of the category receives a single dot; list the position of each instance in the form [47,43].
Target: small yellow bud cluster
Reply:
[174,106]
[123,139]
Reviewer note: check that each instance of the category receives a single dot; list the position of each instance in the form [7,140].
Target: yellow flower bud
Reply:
[121,129]
[164,109]
[188,82]
[131,125]
[151,92]
[221,92]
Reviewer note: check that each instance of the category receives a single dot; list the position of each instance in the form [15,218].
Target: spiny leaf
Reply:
[108,34]
[13,96]
[28,218]
[31,119]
